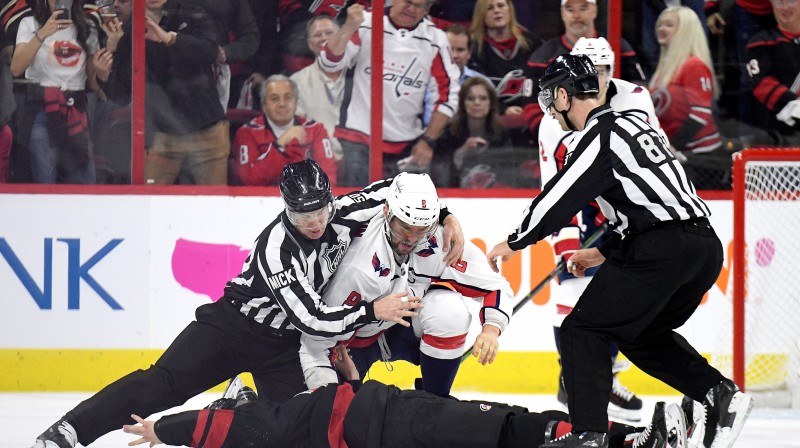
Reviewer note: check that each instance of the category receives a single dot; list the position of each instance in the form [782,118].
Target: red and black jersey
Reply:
[684,108]
[773,63]
[260,159]
[312,419]
[505,64]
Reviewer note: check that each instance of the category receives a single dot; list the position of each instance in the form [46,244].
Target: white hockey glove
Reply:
[789,112]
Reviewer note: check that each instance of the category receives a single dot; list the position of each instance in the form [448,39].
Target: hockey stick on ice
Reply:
[553,274]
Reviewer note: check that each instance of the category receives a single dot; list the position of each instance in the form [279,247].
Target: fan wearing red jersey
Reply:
[278,137]
[684,85]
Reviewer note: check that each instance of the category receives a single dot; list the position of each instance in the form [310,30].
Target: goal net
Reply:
[762,348]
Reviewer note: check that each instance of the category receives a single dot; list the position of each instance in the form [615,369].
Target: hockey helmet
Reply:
[598,49]
[574,73]
[305,188]
[413,200]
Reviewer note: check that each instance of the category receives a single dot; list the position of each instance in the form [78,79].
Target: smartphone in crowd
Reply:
[65,6]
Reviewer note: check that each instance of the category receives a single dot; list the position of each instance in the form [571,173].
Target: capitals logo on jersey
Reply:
[430,248]
[404,78]
[382,270]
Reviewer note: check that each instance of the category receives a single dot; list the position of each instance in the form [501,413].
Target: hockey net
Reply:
[762,348]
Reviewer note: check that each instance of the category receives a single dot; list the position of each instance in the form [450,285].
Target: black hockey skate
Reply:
[60,435]
[235,395]
[667,429]
[727,409]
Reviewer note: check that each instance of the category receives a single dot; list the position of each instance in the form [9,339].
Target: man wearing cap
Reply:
[578,17]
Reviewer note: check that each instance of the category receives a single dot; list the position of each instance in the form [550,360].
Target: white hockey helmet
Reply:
[597,48]
[413,200]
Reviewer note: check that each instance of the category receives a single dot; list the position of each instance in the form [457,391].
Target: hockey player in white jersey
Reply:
[400,250]
[554,147]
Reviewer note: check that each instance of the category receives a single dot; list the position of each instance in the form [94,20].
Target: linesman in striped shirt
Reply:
[663,257]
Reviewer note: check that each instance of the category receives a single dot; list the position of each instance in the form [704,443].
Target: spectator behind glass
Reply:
[183,105]
[750,17]
[415,52]
[500,50]
[773,63]
[320,92]
[115,57]
[460,48]
[684,88]
[270,141]
[578,17]
[474,151]
[239,39]
[293,16]
[53,52]
[650,11]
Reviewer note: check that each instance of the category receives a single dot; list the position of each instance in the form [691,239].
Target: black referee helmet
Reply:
[305,186]
[574,73]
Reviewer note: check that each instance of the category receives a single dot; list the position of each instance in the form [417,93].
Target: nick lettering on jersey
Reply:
[282,279]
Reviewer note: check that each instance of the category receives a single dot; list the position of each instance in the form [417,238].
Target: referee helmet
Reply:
[305,187]
[573,73]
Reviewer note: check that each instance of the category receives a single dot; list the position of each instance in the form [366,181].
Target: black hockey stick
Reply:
[553,274]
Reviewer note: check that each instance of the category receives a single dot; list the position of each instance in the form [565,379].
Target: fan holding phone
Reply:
[52,49]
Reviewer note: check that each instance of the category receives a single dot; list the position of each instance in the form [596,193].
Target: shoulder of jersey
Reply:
[629,87]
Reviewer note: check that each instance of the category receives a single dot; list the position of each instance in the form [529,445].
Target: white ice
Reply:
[23,416]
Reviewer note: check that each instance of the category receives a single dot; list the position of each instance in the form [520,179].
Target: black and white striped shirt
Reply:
[623,163]
[285,273]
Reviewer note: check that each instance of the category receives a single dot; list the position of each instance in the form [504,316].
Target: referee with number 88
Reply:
[654,271]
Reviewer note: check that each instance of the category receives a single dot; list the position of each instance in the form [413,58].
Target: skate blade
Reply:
[676,426]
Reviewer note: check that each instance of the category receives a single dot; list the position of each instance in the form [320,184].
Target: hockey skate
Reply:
[622,403]
[587,439]
[695,422]
[60,435]
[726,409]
[667,429]
[235,395]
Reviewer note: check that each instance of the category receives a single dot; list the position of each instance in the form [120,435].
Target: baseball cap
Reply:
[564,2]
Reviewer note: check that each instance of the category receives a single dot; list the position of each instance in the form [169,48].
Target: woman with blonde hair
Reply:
[684,85]
[500,50]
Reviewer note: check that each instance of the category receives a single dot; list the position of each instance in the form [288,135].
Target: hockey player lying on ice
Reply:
[373,414]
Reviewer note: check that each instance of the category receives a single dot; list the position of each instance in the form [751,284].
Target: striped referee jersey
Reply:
[285,273]
[626,166]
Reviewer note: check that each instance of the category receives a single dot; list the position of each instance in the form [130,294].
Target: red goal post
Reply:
[766,300]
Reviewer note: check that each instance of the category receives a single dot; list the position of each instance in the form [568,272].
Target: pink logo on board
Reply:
[205,268]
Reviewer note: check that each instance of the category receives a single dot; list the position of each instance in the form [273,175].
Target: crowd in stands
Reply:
[235,89]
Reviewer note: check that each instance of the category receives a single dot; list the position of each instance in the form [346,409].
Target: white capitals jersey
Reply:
[622,96]
[369,271]
[412,58]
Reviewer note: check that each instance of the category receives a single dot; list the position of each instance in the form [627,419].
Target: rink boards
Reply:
[95,286]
